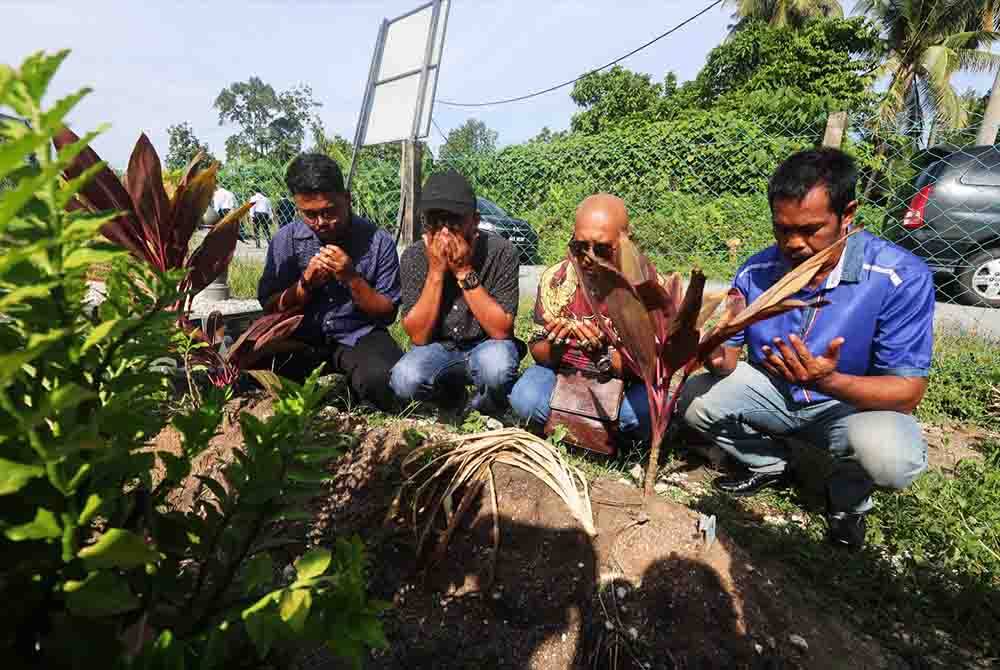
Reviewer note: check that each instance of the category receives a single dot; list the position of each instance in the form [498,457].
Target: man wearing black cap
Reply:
[459,301]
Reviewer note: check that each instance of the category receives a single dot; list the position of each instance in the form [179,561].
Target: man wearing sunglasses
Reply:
[343,272]
[459,302]
[566,336]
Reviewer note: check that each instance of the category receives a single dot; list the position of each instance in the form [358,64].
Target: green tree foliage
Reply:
[272,125]
[184,145]
[469,139]
[974,108]
[614,96]
[925,43]
[783,13]
[98,558]
[825,64]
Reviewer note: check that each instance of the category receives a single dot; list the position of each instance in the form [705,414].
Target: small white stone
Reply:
[580,565]
[621,592]
[758,648]
[799,642]
[633,632]
[608,624]
[563,637]
[636,472]
[661,487]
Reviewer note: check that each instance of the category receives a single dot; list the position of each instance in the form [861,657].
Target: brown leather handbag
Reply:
[587,405]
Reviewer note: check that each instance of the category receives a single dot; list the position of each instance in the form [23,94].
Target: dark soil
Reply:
[646,592]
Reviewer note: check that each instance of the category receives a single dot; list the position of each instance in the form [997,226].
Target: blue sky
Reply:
[162,62]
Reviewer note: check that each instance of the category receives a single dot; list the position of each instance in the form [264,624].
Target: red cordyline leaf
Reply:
[245,343]
[216,251]
[103,193]
[192,197]
[144,182]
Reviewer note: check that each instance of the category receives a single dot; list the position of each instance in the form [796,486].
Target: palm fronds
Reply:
[464,466]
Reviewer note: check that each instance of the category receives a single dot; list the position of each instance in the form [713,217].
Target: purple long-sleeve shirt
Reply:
[331,315]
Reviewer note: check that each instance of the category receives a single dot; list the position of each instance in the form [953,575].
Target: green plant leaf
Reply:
[100,594]
[312,564]
[101,331]
[89,509]
[294,608]
[259,572]
[43,527]
[117,548]
[13,476]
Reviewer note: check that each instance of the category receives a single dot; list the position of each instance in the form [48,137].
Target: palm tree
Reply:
[783,13]
[926,42]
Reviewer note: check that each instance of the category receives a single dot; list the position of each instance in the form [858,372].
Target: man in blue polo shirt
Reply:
[844,376]
[343,273]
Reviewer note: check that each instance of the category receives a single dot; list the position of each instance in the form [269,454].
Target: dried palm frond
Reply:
[465,464]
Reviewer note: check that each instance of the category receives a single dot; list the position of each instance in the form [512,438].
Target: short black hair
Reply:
[314,173]
[800,172]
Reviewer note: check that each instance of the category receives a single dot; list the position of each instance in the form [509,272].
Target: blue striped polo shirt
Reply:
[881,302]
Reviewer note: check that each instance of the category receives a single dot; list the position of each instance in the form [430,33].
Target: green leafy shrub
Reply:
[947,526]
[97,557]
[964,384]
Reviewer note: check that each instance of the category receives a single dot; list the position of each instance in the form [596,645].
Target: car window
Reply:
[983,170]
[489,208]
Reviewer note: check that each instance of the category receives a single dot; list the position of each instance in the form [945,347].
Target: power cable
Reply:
[597,69]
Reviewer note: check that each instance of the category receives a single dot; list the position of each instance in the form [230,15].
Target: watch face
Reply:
[471,280]
[604,364]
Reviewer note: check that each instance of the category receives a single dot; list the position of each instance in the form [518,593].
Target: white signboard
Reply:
[403,78]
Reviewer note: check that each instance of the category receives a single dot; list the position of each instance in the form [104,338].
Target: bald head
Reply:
[601,218]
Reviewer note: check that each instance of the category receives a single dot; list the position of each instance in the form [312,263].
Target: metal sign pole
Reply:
[366,102]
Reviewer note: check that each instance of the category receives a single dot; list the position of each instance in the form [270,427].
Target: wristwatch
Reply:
[470,282]
[604,364]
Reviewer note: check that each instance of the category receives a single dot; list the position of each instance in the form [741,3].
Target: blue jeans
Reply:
[748,412]
[426,371]
[533,391]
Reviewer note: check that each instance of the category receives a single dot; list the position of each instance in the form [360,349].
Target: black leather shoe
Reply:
[847,529]
[741,486]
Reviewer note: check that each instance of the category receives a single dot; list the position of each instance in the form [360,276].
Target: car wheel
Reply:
[979,281]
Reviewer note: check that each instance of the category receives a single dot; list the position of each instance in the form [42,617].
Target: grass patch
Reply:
[931,564]
[243,277]
[964,384]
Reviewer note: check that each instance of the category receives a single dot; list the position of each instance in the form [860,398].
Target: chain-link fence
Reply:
[696,191]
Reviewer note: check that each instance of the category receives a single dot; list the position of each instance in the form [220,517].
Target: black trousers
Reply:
[367,365]
[261,223]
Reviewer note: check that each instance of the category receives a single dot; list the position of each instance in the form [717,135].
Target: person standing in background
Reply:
[261,215]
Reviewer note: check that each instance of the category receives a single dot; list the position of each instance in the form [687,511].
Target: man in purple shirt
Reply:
[343,272]
[844,376]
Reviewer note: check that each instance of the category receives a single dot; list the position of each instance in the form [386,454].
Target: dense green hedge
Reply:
[682,230]
[702,153]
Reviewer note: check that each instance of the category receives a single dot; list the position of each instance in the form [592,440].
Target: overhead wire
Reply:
[589,72]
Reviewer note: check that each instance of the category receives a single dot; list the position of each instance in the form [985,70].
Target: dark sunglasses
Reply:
[438,220]
[579,248]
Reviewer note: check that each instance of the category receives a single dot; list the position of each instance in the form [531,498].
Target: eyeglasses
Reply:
[580,248]
[326,214]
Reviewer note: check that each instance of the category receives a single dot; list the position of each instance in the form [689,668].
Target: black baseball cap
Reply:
[448,191]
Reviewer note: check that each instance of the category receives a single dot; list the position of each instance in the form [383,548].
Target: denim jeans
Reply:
[747,413]
[532,392]
[427,371]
